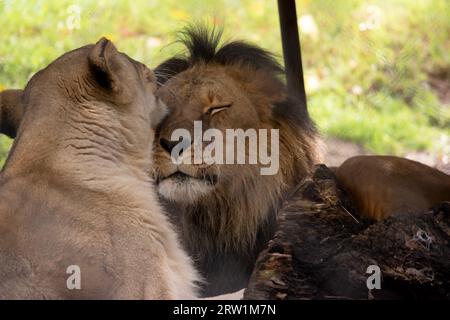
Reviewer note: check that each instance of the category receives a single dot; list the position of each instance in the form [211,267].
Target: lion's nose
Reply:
[167,144]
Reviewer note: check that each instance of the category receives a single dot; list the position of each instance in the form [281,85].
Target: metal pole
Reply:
[291,50]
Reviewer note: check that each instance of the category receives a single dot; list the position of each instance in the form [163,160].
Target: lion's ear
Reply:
[11,111]
[104,61]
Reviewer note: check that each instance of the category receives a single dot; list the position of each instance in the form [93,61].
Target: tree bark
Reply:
[322,250]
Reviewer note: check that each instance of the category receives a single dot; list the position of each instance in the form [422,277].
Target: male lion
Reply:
[75,190]
[226,213]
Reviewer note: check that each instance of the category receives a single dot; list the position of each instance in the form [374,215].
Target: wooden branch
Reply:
[322,250]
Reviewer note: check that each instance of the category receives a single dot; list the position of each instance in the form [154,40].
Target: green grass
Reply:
[368,86]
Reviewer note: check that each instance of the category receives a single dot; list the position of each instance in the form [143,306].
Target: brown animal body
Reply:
[75,189]
[382,186]
[226,212]
[11,112]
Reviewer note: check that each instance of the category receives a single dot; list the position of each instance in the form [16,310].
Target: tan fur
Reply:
[75,188]
[385,185]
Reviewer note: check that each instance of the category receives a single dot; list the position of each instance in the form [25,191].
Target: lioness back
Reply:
[42,239]
[385,185]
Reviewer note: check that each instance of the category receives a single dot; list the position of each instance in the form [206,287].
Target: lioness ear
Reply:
[105,64]
[11,111]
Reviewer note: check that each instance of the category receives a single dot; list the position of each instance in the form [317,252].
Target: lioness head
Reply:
[226,207]
[91,95]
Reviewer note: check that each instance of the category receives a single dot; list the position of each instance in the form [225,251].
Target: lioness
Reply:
[226,213]
[75,189]
[382,186]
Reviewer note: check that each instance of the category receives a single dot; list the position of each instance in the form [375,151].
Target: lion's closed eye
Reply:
[213,104]
[213,109]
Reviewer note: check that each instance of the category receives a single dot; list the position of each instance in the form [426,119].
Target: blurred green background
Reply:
[377,72]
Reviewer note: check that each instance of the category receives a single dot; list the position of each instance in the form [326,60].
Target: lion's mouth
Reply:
[181,177]
[182,187]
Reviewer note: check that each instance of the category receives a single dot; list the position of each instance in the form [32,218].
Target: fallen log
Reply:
[323,250]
